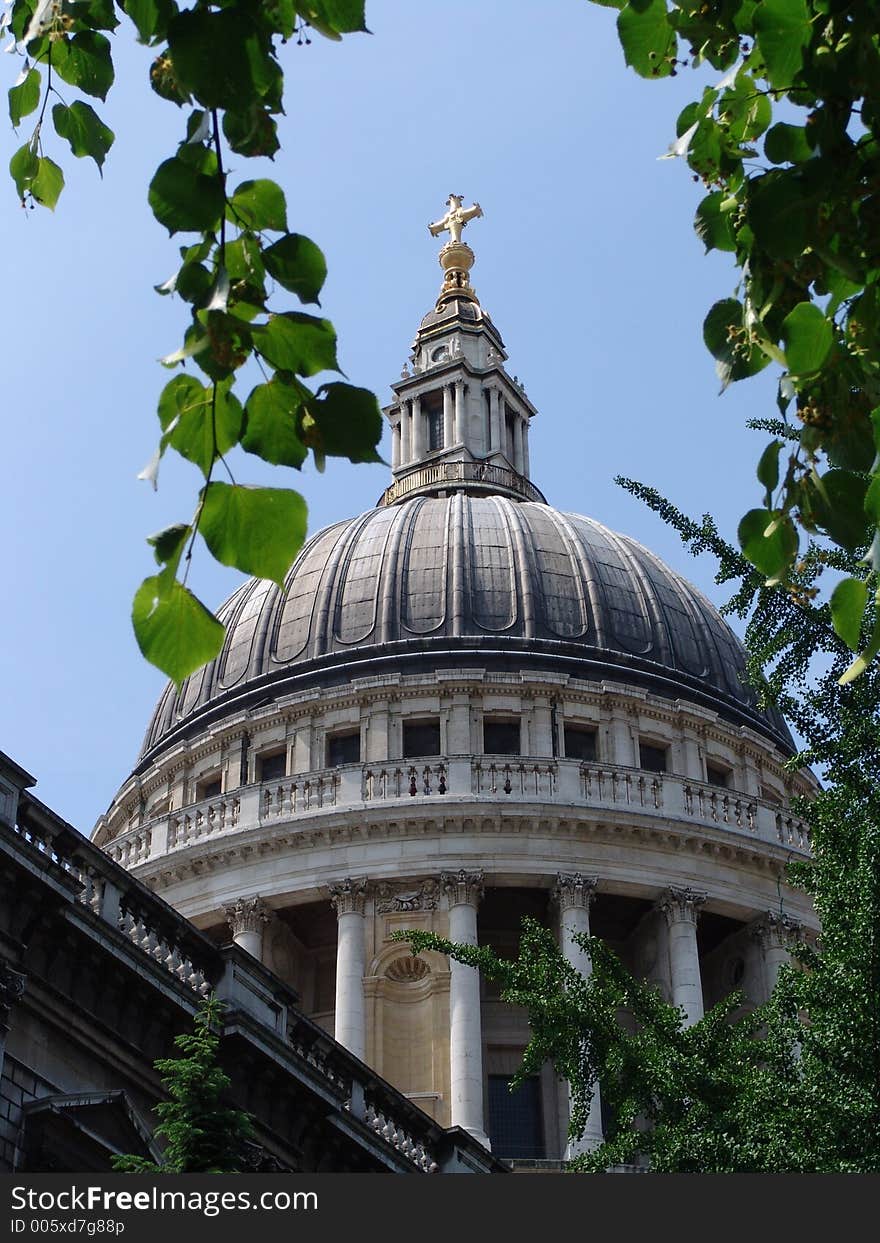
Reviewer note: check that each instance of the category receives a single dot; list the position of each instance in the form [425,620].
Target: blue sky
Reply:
[586,260]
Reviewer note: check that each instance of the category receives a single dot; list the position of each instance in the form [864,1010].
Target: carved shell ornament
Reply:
[407,970]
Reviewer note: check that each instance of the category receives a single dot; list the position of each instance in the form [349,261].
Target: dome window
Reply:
[421,738]
[272,766]
[501,737]
[432,410]
[580,743]
[653,758]
[343,749]
[209,787]
[717,775]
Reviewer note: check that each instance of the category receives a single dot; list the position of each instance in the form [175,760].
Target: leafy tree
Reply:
[220,63]
[204,1135]
[785,141]
[794,1085]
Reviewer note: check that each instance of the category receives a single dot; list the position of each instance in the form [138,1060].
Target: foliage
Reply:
[203,1135]
[786,145]
[219,62]
[793,1085]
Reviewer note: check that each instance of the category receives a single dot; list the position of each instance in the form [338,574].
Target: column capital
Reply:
[11,988]
[349,896]
[573,891]
[247,915]
[774,928]
[462,888]
[681,905]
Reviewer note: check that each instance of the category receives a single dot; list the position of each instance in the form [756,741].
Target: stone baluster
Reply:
[573,894]
[681,908]
[247,917]
[349,901]
[463,892]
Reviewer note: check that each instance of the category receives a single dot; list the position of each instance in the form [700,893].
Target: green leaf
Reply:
[298,343]
[728,341]
[769,540]
[839,507]
[768,468]
[196,423]
[270,423]
[807,337]
[84,130]
[168,545]
[257,530]
[250,130]
[647,37]
[744,110]
[779,214]
[220,58]
[25,97]
[782,29]
[151,17]
[183,199]
[343,421]
[714,225]
[87,63]
[860,664]
[48,183]
[787,144]
[872,500]
[258,205]
[174,630]
[24,167]
[297,264]
[333,17]
[848,602]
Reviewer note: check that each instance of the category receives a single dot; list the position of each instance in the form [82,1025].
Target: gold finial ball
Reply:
[456,257]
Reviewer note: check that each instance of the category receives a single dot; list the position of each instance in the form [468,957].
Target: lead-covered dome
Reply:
[452,578]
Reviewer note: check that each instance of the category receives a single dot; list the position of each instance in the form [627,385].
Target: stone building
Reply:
[465,706]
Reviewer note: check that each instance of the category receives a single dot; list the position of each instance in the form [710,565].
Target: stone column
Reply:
[405,434]
[573,894]
[247,917]
[395,446]
[774,932]
[463,891]
[448,417]
[418,431]
[460,437]
[349,899]
[525,446]
[517,443]
[681,908]
[497,444]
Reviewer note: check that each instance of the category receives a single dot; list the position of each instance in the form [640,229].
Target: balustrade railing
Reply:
[398,781]
[709,803]
[483,474]
[308,793]
[569,782]
[523,779]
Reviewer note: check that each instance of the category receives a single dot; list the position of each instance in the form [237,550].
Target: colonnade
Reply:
[572,896]
[409,441]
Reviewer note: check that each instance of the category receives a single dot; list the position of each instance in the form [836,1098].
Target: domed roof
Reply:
[430,579]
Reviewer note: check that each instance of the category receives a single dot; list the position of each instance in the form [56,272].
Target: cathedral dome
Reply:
[444,578]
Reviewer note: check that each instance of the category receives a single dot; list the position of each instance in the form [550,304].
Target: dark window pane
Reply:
[421,738]
[716,775]
[208,789]
[580,743]
[343,749]
[515,1124]
[652,758]
[273,767]
[501,737]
